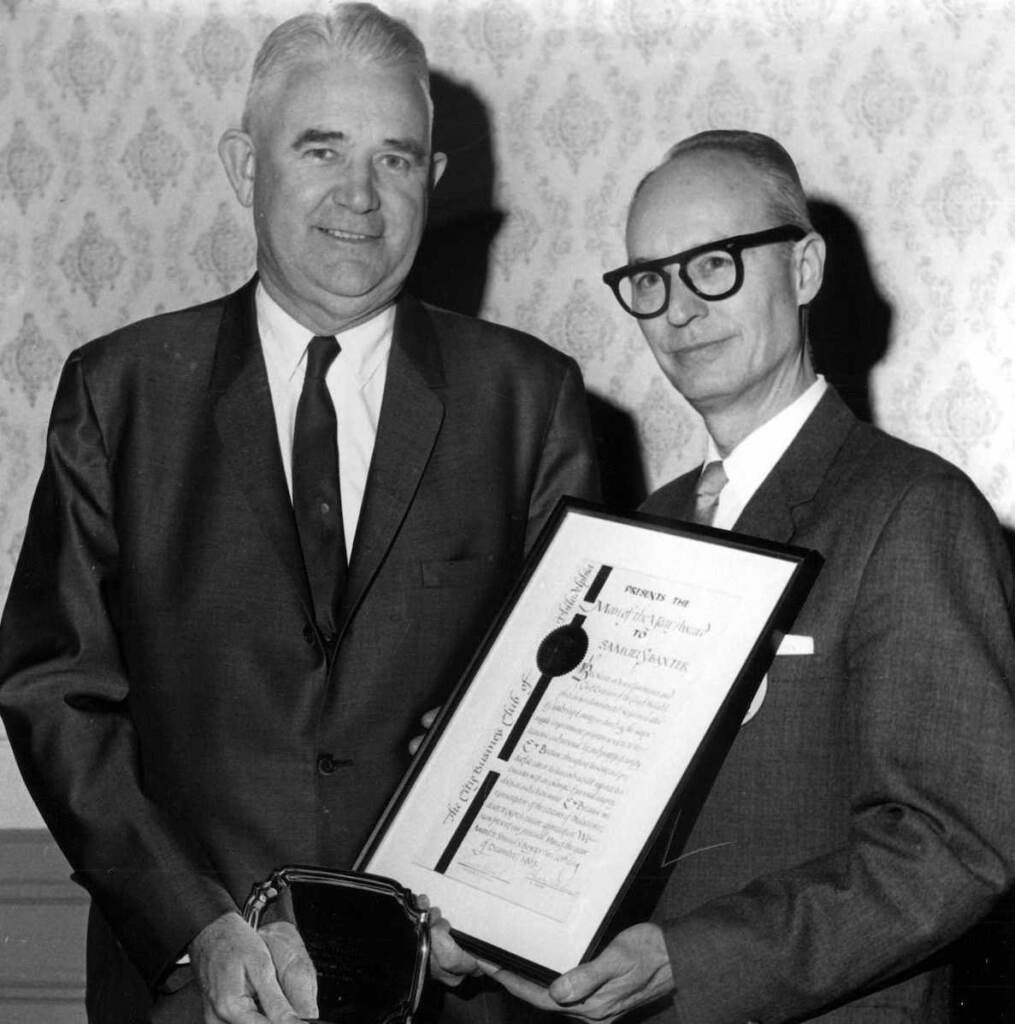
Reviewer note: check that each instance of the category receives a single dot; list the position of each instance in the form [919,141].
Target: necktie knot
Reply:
[712,480]
[321,354]
[706,494]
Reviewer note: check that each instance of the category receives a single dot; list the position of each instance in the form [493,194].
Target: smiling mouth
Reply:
[698,346]
[347,236]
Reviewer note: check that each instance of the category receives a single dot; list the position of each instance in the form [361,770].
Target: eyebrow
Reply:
[319,136]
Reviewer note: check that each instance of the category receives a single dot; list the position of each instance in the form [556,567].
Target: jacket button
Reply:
[326,764]
[308,633]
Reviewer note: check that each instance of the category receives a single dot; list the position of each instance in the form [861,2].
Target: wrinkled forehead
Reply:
[696,198]
[330,88]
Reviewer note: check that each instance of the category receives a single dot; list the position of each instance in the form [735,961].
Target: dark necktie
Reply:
[317,498]
[706,494]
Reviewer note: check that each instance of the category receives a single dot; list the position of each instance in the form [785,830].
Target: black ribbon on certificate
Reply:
[466,823]
[561,651]
[597,584]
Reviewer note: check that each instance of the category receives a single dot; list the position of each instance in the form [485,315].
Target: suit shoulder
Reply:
[470,338]
[878,459]
[179,332]
[877,483]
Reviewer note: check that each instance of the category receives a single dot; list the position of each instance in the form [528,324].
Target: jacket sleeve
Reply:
[931,725]
[65,701]
[567,465]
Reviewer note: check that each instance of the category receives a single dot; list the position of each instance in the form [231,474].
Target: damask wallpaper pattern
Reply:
[901,114]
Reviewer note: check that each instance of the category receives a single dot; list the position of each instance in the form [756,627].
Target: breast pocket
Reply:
[459,572]
[457,602]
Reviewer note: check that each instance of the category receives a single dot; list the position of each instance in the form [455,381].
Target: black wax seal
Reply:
[562,650]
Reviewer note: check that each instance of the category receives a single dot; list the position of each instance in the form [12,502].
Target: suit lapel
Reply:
[674,500]
[774,511]
[245,419]
[410,421]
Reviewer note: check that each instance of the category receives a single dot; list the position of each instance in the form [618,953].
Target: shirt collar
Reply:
[364,347]
[756,455]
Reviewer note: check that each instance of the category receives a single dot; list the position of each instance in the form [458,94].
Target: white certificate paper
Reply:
[542,784]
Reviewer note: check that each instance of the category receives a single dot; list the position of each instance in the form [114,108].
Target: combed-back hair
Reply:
[787,201]
[355,31]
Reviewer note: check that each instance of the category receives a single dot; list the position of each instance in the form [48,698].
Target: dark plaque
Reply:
[361,940]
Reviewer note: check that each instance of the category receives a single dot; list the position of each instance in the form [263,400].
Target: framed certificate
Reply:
[613,679]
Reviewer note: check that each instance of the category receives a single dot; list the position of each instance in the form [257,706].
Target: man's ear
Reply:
[438,164]
[809,267]
[236,151]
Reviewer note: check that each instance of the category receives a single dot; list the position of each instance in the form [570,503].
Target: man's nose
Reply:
[684,306]
[355,187]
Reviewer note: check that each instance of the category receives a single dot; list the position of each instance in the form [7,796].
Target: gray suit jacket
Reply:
[161,679]
[866,816]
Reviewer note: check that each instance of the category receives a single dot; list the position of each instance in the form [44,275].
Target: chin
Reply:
[351,283]
[699,390]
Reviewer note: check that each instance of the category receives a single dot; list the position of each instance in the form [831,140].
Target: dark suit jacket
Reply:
[866,816]
[163,685]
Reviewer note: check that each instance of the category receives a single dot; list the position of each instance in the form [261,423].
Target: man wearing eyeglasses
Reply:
[865,816]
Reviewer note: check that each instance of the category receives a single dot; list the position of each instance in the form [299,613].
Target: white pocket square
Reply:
[794,643]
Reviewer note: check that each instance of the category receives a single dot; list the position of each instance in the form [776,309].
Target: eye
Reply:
[711,264]
[320,153]
[398,162]
[646,281]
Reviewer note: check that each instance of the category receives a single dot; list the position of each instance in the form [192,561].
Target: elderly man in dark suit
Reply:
[268,532]
[865,816]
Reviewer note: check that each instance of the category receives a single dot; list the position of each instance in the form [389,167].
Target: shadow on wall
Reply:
[850,321]
[453,259]
[452,265]
[621,468]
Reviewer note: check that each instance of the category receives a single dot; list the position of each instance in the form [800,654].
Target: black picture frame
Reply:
[588,587]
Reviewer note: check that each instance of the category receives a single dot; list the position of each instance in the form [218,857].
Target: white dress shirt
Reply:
[756,455]
[355,382]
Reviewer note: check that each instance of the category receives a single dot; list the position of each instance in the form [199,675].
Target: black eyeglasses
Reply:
[712,271]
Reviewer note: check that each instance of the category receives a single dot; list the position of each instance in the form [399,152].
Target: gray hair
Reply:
[786,198]
[356,31]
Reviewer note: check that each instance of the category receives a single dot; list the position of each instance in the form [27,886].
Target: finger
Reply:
[444,955]
[293,966]
[271,999]
[449,963]
[526,990]
[580,983]
[415,743]
[228,999]
[430,717]
[234,1010]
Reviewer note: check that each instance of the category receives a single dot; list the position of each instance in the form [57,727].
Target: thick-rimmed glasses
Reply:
[712,271]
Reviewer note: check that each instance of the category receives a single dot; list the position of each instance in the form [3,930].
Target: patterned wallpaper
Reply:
[901,114]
